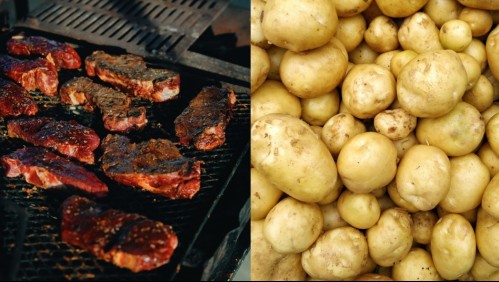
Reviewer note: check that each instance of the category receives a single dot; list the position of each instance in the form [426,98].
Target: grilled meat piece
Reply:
[117,113]
[31,74]
[67,137]
[62,55]
[155,165]
[127,240]
[204,121]
[130,74]
[15,100]
[45,169]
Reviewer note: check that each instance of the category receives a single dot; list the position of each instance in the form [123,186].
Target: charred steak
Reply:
[62,55]
[31,74]
[15,100]
[45,169]
[155,165]
[117,113]
[130,74]
[67,137]
[204,121]
[127,240]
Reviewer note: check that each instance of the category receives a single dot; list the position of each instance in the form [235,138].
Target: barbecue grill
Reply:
[212,227]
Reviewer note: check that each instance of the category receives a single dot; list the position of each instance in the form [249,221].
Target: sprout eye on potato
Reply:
[374,140]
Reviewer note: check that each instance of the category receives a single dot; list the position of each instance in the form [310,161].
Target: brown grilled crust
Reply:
[15,100]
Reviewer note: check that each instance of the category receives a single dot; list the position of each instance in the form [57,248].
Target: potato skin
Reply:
[399,9]
[260,66]
[289,154]
[492,49]
[339,129]
[492,132]
[487,237]
[415,266]
[483,271]
[272,97]
[490,199]
[395,124]
[481,4]
[360,210]
[264,195]
[422,225]
[453,246]
[351,31]
[419,33]
[257,37]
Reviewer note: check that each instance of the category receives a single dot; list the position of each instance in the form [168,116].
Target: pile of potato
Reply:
[374,140]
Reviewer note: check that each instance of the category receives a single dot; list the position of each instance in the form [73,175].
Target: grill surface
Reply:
[156,28]
[44,255]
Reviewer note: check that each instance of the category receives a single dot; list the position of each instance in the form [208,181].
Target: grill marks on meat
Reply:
[127,240]
[15,100]
[67,137]
[62,55]
[31,74]
[155,165]
[204,121]
[130,74]
[117,113]
[45,169]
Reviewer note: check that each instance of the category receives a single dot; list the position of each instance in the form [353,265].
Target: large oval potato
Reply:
[460,131]
[432,84]
[286,151]
[316,20]
[453,246]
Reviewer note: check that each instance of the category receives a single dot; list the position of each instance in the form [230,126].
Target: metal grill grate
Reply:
[46,257]
[161,29]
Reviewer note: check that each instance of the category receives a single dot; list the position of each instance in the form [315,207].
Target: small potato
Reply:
[347,260]
[289,154]
[359,210]
[422,225]
[490,200]
[419,33]
[399,201]
[339,129]
[257,37]
[292,226]
[469,178]
[492,132]
[275,55]
[489,158]
[400,9]
[481,95]
[455,35]
[395,124]
[401,59]
[404,144]
[260,65]
[317,22]
[385,59]
[264,195]
[476,49]
[415,266]
[492,49]
[472,68]
[431,84]
[487,237]
[315,72]
[351,31]
[318,110]
[373,277]
[351,8]
[480,21]
[269,265]
[367,162]
[367,90]
[362,54]
[381,35]
[332,217]
[442,11]
[390,239]
[460,131]
[423,176]
[483,271]
[273,97]
[453,246]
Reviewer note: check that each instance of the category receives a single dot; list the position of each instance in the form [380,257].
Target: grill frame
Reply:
[46,202]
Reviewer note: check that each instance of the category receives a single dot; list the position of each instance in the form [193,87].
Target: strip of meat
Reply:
[117,113]
[31,74]
[67,137]
[45,169]
[155,165]
[15,100]
[62,55]
[204,121]
[127,240]
[130,74]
